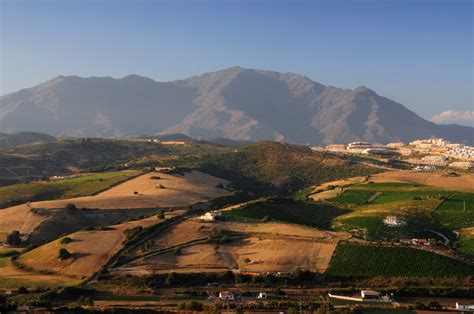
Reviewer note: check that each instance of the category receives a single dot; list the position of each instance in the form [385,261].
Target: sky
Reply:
[416,52]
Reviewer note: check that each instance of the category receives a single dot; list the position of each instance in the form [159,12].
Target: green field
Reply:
[46,190]
[372,202]
[457,211]
[465,244]
[285,210]
[371,261]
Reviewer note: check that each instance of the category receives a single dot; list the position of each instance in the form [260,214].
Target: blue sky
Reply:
[417,52]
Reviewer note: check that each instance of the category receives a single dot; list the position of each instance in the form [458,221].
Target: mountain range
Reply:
[235,103]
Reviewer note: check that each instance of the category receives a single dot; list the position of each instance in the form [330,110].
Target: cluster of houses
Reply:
[437,149]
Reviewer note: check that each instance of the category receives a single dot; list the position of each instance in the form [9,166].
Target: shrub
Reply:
[71,206]
[66,240]
[64,254]
[14,238]
[162,186]
[177,251]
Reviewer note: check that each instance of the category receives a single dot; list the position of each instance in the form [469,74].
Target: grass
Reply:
[69,188]
[465,243]
[353,197]
[457,211]
[372,261]
[286,210]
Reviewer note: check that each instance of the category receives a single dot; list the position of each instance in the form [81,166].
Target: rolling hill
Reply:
[236,103]
[24,138]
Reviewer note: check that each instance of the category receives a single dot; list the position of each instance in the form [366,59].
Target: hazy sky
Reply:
[417,52]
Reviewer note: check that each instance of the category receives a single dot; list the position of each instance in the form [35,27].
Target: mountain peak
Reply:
[236,103]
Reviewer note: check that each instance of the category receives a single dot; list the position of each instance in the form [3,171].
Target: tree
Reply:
[160,216]
[71,206]
[64,254]
[170,279]
[14,238]
[433,305]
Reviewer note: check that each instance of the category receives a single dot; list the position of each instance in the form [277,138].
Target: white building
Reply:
[462,164]
[464,307]
[362,147]
[262,296]
[394,221]
[227,296]
[211,216]
[396,145]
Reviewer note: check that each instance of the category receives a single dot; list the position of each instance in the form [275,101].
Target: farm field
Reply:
[68,188]
[317,215]
[463,182]
[87,257]
[145,192]
[457,211]
[333,188]
[177,190]
[370,203]
[11,277]
[465,244]
[360,260]
[257,248]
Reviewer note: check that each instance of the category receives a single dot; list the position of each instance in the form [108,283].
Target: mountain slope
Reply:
[235,103]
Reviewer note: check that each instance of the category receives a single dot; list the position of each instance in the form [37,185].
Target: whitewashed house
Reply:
[211,216]
[394,221]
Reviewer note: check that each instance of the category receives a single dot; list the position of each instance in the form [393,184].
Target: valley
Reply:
[264,216]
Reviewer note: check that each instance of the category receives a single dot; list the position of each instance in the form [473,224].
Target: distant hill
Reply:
[24,138]
[235,103]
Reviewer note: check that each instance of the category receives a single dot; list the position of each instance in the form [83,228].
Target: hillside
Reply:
[286,168]
[236,103]
[23,138]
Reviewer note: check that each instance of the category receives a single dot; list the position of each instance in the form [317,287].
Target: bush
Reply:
[177,251]
[64,254]
[14,238]
[71,206]
[162,186]
[160,216]
[66,240]
[191,306]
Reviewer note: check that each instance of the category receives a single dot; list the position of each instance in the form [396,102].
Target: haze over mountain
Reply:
[235,103]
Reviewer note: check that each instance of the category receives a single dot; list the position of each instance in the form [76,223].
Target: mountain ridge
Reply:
[234,103]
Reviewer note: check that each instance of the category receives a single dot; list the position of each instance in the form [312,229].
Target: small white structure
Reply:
[227,296]
[464,307]
[369,294]
[211,216]
[262,296]
[394,221]
[415,241]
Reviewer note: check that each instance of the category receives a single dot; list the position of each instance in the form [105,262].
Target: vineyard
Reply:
[371,261]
